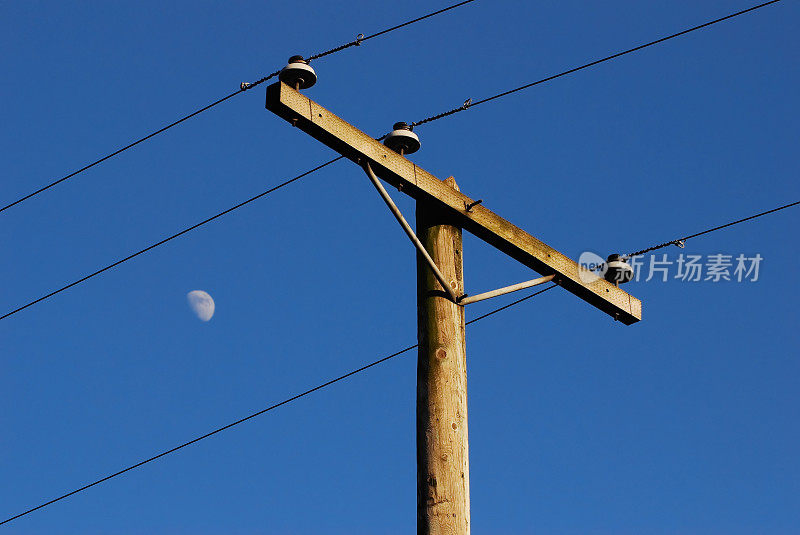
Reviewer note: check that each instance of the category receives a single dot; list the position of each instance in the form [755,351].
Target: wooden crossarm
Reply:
[411,179]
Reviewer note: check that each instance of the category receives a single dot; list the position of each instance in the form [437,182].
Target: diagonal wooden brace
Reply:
[410,232]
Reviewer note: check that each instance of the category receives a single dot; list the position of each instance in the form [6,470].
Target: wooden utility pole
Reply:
[442,432]
[442,212]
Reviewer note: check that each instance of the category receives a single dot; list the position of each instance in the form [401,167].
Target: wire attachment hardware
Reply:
[470,206]
[467,103]
[244,86]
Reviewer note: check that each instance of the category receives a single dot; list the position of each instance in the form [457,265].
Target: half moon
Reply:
[201,304]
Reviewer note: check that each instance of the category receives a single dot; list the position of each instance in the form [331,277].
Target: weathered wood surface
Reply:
[442,438]
[423,186]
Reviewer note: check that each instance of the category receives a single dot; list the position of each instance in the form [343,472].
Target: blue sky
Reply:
[683,423]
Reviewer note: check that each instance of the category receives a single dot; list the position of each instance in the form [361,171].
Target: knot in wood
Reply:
[451,181]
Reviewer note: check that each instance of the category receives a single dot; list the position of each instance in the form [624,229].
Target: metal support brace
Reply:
[506,290]
[409,232]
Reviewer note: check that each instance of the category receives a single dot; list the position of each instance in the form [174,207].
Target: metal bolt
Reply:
[472,205]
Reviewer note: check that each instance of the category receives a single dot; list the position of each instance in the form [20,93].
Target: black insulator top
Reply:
[298,59]
[401,126]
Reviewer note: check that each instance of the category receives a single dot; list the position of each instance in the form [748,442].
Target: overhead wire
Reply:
[361,38]
[255,414]
[121,150]
[244,86]
[468,104]
[681,241]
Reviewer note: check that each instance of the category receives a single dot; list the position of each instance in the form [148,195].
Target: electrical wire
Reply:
[470,104]
[360,38]
[119,151]
[511,304]
[244,86]
[680,241]
[403,25]
[165,240]
[253,415]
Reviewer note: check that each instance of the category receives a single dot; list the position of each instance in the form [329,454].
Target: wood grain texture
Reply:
[442,431]
[411,179]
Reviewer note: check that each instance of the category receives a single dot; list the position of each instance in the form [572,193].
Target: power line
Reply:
[680,241]
[393,28]
[165,240]
[123,149]
[360,39]
[253,415]
[470,104]
[245,86]
[511,304]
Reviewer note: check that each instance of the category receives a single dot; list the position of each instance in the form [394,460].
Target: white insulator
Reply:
[618,271]
[298,73]
[402,140]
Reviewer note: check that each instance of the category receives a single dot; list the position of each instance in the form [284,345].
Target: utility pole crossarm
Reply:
[411,179]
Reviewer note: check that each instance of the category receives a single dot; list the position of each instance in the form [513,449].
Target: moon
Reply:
[201,304]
